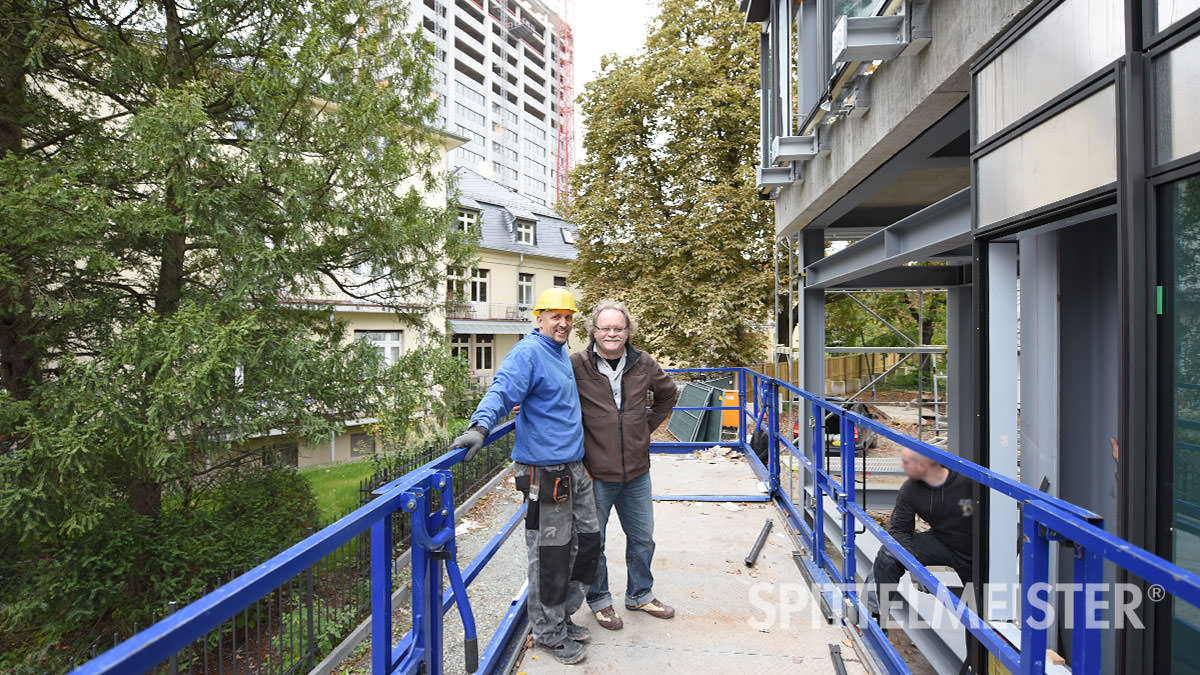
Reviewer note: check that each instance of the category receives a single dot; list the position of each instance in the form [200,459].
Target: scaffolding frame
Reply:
[790,288]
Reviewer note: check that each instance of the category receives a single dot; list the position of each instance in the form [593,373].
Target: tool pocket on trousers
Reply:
[555,484]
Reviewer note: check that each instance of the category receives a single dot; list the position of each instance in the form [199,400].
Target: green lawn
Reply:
[336,486]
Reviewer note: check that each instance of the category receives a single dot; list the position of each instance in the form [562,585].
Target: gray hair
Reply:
[630,324]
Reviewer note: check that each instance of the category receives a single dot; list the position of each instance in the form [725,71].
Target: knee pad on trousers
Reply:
[554,563]
[587,558]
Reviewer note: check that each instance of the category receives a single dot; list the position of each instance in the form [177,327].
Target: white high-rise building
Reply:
[497,77]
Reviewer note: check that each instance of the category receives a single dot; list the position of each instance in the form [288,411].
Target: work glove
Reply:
[471,439]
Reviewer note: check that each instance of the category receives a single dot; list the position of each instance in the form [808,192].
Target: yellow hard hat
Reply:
[555,298]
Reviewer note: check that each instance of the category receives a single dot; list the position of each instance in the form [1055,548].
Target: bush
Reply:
[58,598]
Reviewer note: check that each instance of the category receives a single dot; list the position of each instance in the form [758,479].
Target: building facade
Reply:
[502,76]
[524,249]
[1039,160]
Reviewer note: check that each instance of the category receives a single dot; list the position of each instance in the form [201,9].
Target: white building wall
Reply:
[497,90]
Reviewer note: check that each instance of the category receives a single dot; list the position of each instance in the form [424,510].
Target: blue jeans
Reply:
[635,508]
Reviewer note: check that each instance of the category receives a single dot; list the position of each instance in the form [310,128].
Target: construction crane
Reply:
[566,106]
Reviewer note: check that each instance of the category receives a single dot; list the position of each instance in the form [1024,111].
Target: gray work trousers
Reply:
[562,540]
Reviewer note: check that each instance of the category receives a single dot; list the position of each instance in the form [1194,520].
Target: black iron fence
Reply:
[291,629]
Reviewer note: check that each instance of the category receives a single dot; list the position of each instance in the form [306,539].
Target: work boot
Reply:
[608,618]
[655,609]
[567,652]
[576,632]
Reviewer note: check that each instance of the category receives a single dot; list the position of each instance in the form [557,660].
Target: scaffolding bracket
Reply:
[794,148]
[868,38]
[774,176]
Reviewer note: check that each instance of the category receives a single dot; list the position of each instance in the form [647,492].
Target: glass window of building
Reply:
[535,131]
[535,149]
[389,343]
[534,185]
[471,135]
[1177,97]
[1179,215]
[560,282]
[483,351]
[465,114]
[460,346]
[479,286]
[503,172]
[467,220]
[504,152]
[534,167]
[525,290]
[526,232]
[468,93]
[1169,11]
[462,155]
[456,282]
[1073,41]
[1070,153]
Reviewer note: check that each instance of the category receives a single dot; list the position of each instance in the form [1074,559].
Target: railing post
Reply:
[173,664]
[311,649]
[1035,560]
[845,498]
[381,595]
[426,587]
[772,400]
[818,452]
[743,399]
[1085,637]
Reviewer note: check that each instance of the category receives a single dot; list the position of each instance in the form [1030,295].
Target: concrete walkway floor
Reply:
[729,618]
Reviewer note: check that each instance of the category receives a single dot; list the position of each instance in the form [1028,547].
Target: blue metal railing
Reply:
[426,495]
[1045,519]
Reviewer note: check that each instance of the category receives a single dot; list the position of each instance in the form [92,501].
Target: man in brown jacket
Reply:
[615,384]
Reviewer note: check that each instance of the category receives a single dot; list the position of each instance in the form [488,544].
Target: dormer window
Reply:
[526,232]
[468,221]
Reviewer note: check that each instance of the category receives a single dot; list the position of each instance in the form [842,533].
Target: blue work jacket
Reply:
[536,374]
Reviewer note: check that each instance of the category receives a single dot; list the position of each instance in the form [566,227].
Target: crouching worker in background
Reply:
[943,499]
[562,535]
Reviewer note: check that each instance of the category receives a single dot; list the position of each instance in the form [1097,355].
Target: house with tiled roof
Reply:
[524,249]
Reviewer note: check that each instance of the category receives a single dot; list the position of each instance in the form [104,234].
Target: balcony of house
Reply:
[490,311]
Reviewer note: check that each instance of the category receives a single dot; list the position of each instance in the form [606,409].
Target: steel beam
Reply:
[793,148]
[868,38]
[926,349]
[912,277]
[774,176]
[940,227]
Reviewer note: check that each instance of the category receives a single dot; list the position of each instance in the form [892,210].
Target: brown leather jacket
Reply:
[616,443]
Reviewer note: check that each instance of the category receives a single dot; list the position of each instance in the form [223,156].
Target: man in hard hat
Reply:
[562,535]
[615,382]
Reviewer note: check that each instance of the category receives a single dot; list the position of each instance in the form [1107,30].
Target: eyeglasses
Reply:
[610,329]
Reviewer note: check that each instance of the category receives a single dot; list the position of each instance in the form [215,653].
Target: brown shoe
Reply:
[608,618]
[655,609]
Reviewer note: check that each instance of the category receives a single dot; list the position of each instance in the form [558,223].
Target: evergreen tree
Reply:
[175,181]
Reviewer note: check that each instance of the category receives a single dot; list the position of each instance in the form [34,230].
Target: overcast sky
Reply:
[604,27]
